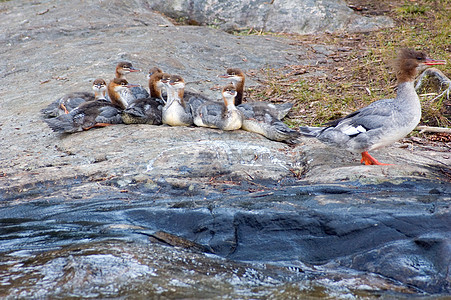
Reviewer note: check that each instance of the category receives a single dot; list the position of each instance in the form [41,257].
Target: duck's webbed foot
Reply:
[64,108]
[97,125]
[367,159]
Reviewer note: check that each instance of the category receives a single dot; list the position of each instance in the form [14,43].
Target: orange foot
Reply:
[369,160]
[102,124]
[64,108]
[97,125]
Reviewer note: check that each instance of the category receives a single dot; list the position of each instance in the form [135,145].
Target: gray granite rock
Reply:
[304,17]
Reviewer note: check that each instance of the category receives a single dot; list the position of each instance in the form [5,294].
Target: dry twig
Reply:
[433,129]
[443,81]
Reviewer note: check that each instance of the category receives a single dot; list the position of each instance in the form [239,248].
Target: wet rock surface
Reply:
[131,269]
[235,194]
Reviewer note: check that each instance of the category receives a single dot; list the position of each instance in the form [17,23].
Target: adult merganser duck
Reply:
[382,122]
[262,117]
[68,102]
[135,92]
[224,116]
[176,112]
[97,113]
[147,110]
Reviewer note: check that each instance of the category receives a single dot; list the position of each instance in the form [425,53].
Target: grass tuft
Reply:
[412,9]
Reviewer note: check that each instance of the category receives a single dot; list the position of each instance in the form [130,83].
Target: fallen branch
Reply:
[443,81]
[433,129]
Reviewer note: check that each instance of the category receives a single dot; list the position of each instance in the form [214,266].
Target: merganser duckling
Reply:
[176,112]
[117,88]
[97,113]
[238,79]
[135,92]
[217,115]
[68,102]
[156,84]
[164,86]
[123,68]
[382,122]
[152,71]
[147,110]
[262,117]
[259,120]
[99,86]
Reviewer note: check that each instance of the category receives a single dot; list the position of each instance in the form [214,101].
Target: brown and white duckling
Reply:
[135,92]
[123,68]
[68,102]
[156,85]
[99,86]
[176,112]
[262,117]
[224,116]
[117,88]
[259,120]
[97,113]
[238,78]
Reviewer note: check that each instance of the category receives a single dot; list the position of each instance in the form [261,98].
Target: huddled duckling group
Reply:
[381,123]
[168,103]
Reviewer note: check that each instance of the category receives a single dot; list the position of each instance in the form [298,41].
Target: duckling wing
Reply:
[69,101]
[63,124]
[279,111]
[108,114]
[210,114]
[194,101]
[67,123]
[143,111]
[139,92]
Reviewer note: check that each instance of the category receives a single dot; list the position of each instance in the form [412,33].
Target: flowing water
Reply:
[172,245]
